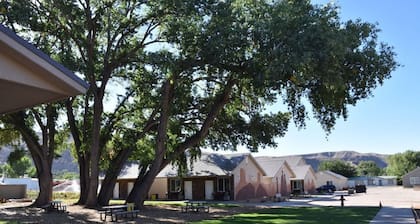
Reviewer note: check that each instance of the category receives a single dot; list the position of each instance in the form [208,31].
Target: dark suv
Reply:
[360,188]
[326,188]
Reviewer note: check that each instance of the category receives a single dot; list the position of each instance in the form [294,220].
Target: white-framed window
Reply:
[223,184]
[415,180]
[174,185]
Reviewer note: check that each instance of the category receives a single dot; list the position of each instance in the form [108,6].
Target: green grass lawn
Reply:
[302,215]
[182,203]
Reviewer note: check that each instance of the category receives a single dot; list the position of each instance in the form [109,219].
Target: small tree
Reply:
[19,164]
[340,167]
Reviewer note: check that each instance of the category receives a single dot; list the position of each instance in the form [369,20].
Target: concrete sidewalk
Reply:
[391,215]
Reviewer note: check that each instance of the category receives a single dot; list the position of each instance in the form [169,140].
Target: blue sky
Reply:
[388,122]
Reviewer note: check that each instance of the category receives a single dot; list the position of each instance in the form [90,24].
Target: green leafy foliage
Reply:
[8,135]
[401,163]
[208,82]
[18,165]
[368,168]
[338,166]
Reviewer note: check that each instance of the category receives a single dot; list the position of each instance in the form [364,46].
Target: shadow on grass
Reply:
[303,215]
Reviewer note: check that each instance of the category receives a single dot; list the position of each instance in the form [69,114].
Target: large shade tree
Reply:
[400,164]
[42,146]
[233,58]
[99,40]
[223,62]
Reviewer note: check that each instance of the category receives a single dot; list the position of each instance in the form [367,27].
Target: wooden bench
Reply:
[104,213]
[126,214]
[118,211]
[54,206]
[195,207]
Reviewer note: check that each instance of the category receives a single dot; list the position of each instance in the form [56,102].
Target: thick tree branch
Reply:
[72,123]
[195,139]
[114,118]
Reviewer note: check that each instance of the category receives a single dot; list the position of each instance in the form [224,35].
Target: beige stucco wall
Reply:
[160,187]
[309,182]
[322,178]
[248,181]
[283,188]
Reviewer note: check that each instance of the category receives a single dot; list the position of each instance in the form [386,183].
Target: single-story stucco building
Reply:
[412,178]
[330,178]
[373,181]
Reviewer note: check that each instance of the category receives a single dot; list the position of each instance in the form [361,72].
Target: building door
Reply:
[297,186]
[188,190]
[116,193]
[130,187]
[209,186]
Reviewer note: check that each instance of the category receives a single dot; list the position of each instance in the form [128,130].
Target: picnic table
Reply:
[56,206]
[195,206]
[118,211]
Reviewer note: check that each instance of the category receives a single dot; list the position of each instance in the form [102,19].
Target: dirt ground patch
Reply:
[79,214]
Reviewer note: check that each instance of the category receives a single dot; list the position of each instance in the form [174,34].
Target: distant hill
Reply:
[349,156]
[61,164]
[67,163]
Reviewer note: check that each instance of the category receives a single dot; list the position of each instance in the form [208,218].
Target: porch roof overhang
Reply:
[29,77]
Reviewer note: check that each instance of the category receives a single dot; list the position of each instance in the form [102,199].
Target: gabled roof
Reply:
[271,165]
[29,77]
[291,160]
[209,164]
[301,171]
[129,171]
[412,172]
[328,172]
[360,178]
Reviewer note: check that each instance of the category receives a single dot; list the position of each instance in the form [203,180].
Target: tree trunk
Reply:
[84,180]
[92,197]
[82,156]
[118,162]
[142,186]
[42,154]
[108,183]
[45,182]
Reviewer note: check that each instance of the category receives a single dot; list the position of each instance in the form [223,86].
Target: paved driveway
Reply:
[396,203]
[397,197]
